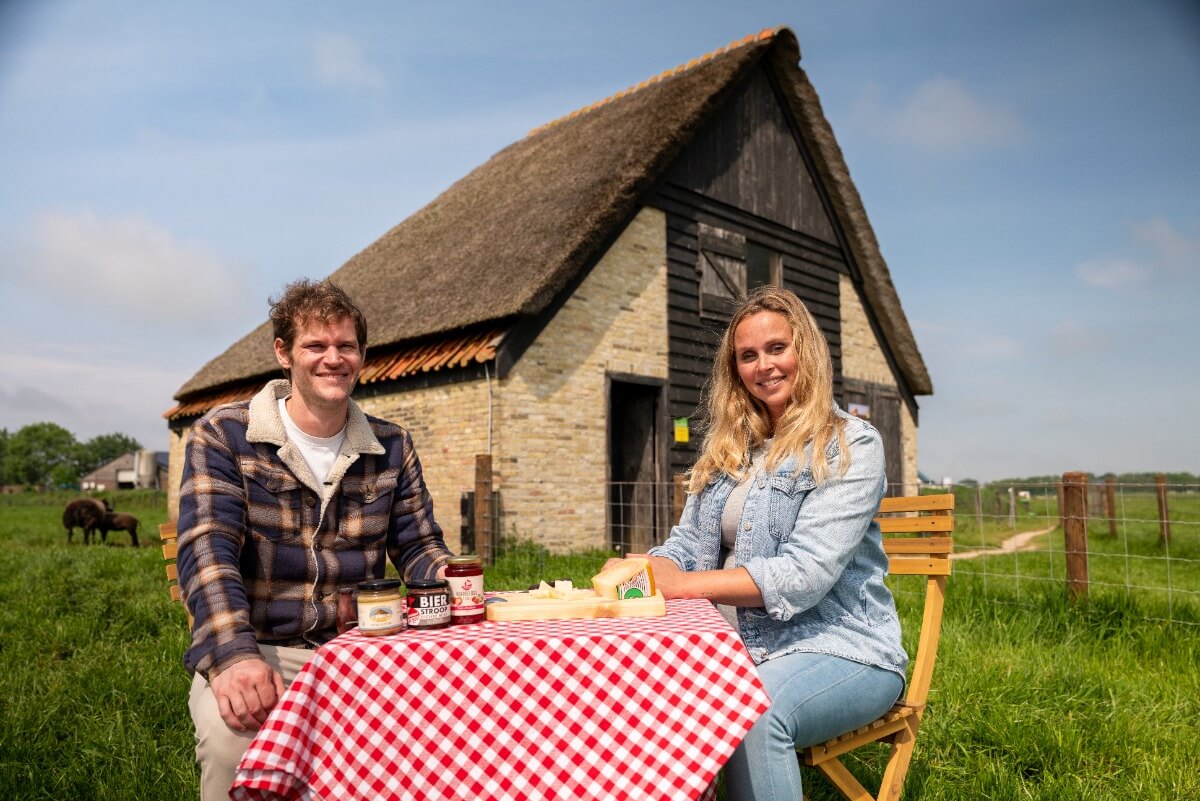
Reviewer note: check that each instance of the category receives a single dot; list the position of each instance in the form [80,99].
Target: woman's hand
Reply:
[668,578]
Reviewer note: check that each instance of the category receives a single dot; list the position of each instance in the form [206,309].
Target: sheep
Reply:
[88,514]
[119,522]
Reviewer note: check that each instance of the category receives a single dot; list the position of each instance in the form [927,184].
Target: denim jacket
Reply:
[814,550]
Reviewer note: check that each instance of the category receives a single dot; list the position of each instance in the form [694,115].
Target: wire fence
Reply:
[1133,545]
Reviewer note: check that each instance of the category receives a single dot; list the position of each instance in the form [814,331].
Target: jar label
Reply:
[428,609]
[380,615]
[466,595]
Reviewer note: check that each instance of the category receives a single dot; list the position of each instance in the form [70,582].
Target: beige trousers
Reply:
[218,747]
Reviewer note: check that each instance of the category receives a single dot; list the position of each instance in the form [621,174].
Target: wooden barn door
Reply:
[880,406]
[634,441]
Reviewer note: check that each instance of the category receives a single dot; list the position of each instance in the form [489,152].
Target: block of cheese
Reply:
[626,579]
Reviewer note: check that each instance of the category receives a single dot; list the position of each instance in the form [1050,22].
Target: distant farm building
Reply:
[558,307]
[133,470]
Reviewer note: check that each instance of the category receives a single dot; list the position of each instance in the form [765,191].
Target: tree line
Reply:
[46,455]
[1046,485]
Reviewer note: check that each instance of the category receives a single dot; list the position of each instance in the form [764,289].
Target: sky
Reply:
[1030,170]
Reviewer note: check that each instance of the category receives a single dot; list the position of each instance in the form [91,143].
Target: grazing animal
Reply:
[86,513]
[119,522]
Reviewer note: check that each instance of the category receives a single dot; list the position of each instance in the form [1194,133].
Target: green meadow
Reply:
[1033,698]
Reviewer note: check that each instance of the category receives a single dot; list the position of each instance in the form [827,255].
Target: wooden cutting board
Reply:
[520,606]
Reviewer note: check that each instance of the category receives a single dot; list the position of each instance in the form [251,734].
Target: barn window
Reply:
[721,263]
[729,266]
[763,266]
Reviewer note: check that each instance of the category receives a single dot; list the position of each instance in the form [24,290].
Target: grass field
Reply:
[1135,564]
[1033,698]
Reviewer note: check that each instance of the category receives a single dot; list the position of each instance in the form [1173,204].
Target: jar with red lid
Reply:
[465,576]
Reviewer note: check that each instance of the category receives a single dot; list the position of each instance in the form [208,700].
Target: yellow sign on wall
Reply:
[681,430]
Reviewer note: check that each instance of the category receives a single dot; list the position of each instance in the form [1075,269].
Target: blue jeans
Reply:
[814,697]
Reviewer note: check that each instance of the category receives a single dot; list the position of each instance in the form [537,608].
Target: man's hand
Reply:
[246,693]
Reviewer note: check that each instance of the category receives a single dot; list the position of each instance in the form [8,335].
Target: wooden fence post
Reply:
[1074,489]
[485,515]
[1012,508]
[1110,505]
[1164,514]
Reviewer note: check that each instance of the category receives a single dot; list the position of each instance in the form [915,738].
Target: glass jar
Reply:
[464,574]
[347,610]
[428,604]
[381,607]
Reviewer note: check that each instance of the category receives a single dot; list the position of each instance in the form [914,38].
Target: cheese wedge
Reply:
[543,590]
[629,578]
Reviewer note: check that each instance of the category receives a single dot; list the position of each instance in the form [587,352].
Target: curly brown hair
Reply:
[305,300]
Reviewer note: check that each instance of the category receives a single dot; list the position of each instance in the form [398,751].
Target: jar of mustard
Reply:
[381,607]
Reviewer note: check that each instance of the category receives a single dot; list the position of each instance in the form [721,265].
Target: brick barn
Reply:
[557,308]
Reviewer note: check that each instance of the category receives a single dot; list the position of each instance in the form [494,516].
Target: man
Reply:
[285,499]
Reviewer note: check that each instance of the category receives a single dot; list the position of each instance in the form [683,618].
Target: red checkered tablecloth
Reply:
[646,708]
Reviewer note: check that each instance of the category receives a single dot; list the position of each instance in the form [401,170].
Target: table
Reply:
[646,708]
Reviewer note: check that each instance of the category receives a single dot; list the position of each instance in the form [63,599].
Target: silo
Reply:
[146,466]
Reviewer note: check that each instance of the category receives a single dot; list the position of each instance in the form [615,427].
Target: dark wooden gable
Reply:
[744,187]
[747,158]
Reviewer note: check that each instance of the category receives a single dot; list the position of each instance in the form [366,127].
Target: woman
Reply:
[778,531]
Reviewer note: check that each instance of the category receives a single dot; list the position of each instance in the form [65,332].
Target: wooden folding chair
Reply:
[170,548]
[922,555]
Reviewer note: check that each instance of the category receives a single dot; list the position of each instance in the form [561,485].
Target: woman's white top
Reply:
[731,517]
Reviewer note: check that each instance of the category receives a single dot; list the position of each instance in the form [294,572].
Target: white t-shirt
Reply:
[319,452]
[731,517]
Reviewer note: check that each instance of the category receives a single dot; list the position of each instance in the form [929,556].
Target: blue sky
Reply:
[1030,170]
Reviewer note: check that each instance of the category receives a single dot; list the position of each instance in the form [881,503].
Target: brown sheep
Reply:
[87,513]
[119,522]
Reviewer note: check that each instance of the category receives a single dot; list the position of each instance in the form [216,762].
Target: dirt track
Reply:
[1017,542]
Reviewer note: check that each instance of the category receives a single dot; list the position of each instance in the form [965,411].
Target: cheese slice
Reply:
[628,578]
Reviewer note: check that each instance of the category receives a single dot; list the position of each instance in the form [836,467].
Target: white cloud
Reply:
[34,403]
[1069,338]
[1166,254]
[339,61]
[1111,273]
[127,267]
[1171,249]
[89,389]
[943,115]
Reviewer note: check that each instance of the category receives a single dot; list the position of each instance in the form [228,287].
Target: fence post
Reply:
[1012,508]
[1062,508]
[1074,489]
[1164,514]
[1110,505]
[485,529]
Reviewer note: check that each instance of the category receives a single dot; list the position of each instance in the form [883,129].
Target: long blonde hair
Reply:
[738,423]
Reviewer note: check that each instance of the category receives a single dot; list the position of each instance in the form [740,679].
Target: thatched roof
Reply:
[503,241]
